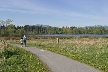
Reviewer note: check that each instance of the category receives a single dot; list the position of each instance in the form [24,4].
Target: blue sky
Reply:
[57,13]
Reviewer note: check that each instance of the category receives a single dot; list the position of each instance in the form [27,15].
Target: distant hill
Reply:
[105,26]
[97,26]
[41,25]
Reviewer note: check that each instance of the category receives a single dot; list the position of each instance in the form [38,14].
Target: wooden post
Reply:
[57,40]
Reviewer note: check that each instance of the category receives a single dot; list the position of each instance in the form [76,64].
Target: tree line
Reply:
[9,29]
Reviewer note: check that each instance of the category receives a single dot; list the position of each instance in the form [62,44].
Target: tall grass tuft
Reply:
[3,46]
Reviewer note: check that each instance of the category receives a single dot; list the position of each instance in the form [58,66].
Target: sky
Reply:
[56,13]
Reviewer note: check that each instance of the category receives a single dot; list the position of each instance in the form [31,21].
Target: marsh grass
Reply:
[93,52]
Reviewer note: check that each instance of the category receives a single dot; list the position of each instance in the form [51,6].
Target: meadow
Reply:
[14,59]
[91,51]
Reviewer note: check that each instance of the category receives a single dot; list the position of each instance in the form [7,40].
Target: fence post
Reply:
[57,40]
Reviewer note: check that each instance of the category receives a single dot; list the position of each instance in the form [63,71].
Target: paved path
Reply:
[59,63]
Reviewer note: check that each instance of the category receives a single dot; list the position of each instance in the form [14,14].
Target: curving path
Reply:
[59,63]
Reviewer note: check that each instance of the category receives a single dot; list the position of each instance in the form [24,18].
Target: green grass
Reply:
[93,52]
[14,59]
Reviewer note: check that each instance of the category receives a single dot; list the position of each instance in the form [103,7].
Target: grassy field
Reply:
[92,51]
[14,59]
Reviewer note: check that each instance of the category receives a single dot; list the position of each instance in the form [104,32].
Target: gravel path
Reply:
[59,63]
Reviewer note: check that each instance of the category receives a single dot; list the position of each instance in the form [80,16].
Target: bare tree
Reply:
[8,22]
[2,22]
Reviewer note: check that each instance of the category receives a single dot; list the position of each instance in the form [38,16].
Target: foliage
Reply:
[9,29]
[19,60]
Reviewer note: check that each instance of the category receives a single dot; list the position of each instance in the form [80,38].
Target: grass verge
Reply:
[14,59]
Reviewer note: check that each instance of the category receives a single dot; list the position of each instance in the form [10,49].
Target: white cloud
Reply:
[22,6]
[26,6]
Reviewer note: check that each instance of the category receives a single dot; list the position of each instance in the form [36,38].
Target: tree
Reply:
[2,22]
[11,29]
[8,22]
